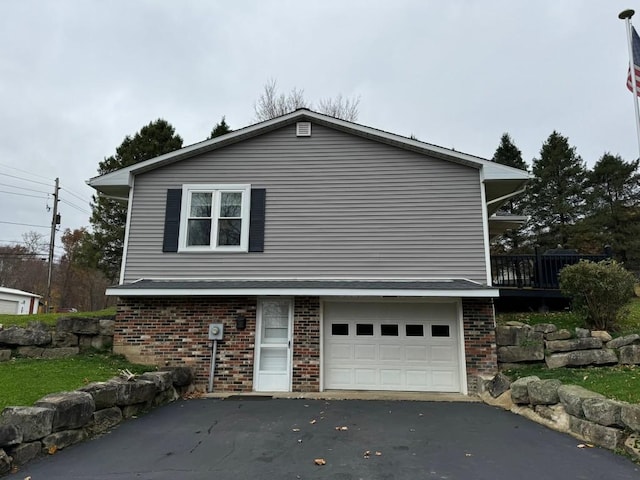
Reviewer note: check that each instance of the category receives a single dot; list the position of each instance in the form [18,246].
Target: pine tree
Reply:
[614,206]
[556,197]
[220,129]
[109,216]
[508,154]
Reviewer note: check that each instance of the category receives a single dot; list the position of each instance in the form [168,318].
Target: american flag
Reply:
[635,45]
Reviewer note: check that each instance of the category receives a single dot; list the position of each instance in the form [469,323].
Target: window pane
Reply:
[440,330]
[199,232]
[275,322]
[229,232]
[339,329]
[200,204]
[273,359]
[415,331]
[364,329]
[389,330]
[230,204]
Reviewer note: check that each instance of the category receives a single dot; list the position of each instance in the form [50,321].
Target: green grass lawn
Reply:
[50,318]
[25,380]
[628,323]
[621,382]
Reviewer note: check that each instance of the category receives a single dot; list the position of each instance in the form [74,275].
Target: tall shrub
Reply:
[598,291]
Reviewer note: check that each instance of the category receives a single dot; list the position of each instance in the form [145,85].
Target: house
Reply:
[325,254]
[18,302]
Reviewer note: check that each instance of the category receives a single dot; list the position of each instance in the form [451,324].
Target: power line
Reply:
[73,194]
[75,206]
[25,179]
[25,224]
[26,171]
[23,188]
[23,194]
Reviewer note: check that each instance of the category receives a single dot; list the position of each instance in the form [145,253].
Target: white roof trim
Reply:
[492,170]
[177,292]
[13,291]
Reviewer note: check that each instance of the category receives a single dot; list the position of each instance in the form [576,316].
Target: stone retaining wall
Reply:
[62,419]
[588,416]
[520,343]
[70,336]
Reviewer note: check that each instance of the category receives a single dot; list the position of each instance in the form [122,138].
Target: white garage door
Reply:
[391,346]
[8,306]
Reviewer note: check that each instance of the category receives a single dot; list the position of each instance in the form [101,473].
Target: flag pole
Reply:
[626,16]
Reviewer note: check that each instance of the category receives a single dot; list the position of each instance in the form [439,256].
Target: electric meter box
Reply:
[215,331]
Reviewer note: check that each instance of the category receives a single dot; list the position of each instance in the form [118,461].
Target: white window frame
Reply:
[215,190]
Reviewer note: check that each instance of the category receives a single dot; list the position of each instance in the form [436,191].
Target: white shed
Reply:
[18,302]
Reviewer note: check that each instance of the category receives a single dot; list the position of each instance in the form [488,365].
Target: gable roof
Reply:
[22,293]
[118,182]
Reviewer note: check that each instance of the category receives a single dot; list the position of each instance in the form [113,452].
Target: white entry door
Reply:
[272,371]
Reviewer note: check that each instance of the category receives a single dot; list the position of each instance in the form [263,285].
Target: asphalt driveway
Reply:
[280,439]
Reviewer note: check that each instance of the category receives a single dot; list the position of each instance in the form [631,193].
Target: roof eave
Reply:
[122,178]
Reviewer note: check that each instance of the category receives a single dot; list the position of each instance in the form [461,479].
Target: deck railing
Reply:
[535,270]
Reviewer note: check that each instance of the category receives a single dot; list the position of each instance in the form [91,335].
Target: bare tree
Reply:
[34,242]
[339,107]
[273,104]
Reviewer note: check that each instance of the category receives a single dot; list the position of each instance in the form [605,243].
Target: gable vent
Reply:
[303,129]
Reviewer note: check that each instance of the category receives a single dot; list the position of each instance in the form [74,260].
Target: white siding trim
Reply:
[179,292]
[125,247]
[485,229]
[462,360]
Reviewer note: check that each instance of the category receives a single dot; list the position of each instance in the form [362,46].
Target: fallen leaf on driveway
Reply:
[342,429]
[52,449]
[320,461]
[295,429]
[585,445]
[313,421]
[378,454]
[367,454]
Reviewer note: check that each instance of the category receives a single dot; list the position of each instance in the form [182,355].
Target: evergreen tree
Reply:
[109,216]
[556,197]
[220,129]
[510,155]
[614,207]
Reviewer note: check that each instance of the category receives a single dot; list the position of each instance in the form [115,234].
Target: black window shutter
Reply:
[256,221]
[172,220]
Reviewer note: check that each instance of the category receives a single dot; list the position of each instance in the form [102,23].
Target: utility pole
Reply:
[55,221]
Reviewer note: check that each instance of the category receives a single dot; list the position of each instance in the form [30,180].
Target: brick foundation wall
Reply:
[306,344]
[478,317]
[174,331]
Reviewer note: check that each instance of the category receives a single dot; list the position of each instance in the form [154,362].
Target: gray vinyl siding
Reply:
[337,205]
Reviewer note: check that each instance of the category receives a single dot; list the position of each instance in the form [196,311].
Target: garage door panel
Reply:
[415,353]
[341,352]
[366,377]
[444,380]
[341,377]
[391,346]
[443,353]
[417,379]
[391,353]
[365,352]
[391,378]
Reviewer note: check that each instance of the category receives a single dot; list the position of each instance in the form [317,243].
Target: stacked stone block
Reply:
[61,419]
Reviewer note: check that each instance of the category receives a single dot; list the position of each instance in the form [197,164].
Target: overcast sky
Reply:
[77,76]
